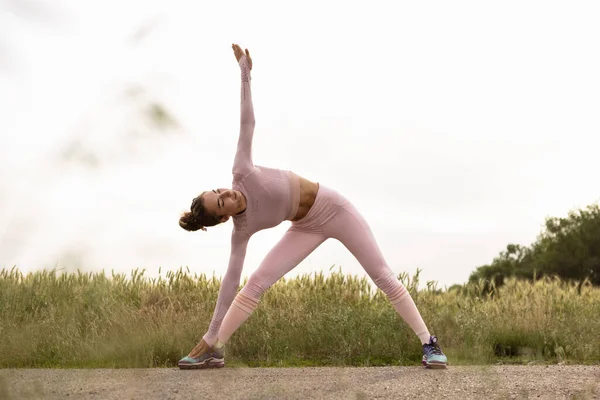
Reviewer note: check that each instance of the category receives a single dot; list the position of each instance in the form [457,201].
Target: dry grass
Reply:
[52,319]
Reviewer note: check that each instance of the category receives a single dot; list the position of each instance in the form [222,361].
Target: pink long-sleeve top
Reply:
[272,196]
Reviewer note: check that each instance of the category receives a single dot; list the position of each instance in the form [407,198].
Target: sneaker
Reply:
[432,354]
[214,358]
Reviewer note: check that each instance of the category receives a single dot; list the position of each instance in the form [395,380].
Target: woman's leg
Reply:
[350,228]
[293,247]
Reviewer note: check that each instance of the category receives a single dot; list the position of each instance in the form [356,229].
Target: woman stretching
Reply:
[262,198]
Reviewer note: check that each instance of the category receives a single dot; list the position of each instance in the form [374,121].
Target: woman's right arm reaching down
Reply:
[229,284]
[242,163]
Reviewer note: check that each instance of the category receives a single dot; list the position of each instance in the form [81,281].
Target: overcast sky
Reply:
[455,127]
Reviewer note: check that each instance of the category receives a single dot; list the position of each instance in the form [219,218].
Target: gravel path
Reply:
[460,382]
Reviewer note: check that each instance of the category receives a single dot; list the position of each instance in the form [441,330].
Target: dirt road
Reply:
[459,382]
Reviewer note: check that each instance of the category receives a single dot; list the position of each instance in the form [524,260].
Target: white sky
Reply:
[455,127]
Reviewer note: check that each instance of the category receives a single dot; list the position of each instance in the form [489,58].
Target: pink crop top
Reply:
[272,196]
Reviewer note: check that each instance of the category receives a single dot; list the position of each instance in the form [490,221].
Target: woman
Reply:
[262,198]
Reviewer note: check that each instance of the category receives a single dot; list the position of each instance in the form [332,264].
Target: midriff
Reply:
[308,194]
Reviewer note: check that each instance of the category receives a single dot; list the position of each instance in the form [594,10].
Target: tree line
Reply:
[568,248]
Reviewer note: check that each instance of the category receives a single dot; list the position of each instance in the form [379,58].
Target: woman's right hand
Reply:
[237,50]
[201,347]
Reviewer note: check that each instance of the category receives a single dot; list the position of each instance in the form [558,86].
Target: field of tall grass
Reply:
[55,319]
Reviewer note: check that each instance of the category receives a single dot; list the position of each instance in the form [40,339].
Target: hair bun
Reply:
[189,222]
[197,218]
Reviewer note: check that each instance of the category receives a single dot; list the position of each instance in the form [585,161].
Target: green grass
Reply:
[53,319]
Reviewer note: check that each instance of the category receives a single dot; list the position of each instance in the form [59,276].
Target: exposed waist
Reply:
[303,194]
[294,194]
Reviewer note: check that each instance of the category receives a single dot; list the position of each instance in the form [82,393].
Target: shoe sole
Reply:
[208,363]
[434,365]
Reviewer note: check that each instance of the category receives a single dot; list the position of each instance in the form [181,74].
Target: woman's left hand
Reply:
[237,50]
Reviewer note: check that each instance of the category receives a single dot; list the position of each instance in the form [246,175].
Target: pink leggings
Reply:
[331,216]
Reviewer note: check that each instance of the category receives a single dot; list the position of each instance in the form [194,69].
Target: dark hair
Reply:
[198,217]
